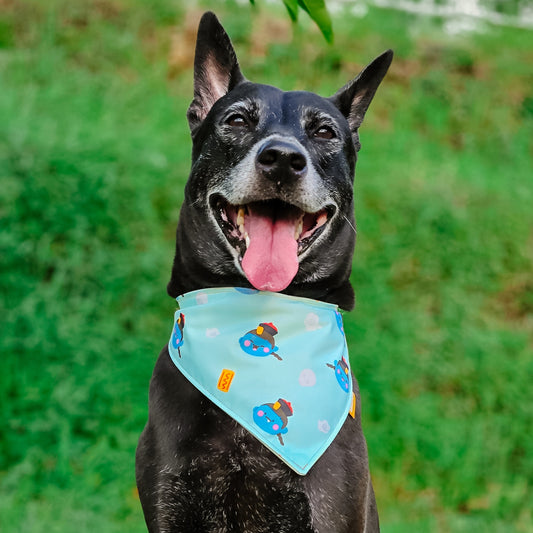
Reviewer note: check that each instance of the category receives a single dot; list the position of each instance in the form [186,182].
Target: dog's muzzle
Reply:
[269,236]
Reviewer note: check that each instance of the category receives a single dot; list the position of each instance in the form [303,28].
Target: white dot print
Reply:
[323,426]
[311,322]
[201,298]
[307,378]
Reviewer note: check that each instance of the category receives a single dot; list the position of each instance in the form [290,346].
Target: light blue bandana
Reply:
[276,364]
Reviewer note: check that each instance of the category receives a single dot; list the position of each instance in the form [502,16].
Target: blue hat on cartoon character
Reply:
[260,341]
[273,417]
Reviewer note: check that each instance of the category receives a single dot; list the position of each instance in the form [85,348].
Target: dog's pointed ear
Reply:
[216,69]
[354,98]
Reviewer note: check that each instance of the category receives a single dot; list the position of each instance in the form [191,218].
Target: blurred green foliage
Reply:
[94,154]
[316,9]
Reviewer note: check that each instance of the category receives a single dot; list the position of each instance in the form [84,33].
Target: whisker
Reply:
[192,204]
[349,223]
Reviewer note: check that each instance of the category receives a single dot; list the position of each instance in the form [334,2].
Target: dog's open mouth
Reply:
[269,236]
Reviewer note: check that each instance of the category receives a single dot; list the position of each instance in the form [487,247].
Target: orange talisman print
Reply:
[224,381]
[352,409]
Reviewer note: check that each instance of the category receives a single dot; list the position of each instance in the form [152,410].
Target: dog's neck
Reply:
[342,295]
[190,274]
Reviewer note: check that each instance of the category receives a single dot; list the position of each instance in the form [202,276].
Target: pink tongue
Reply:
[271,259]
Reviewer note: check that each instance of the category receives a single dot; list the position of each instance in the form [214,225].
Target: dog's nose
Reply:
[281,161]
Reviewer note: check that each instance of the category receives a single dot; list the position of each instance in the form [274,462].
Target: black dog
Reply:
[273,166]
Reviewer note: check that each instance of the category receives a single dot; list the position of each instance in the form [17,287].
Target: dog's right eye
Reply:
[324,132]
[237,121]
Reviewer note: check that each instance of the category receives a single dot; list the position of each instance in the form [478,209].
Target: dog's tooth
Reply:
[240,217]
[247,239]
[299,228]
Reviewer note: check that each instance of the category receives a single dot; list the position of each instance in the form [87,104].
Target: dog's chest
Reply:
[236,485]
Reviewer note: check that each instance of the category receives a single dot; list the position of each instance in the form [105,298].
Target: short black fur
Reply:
[197,469]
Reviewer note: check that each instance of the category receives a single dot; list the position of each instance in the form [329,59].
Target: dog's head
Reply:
[269,201]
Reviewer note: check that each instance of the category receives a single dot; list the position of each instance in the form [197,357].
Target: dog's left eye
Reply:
[324,132]
[237,121]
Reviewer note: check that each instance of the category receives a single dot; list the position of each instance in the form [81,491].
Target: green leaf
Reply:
[252,2]
[292,8]
[318,12]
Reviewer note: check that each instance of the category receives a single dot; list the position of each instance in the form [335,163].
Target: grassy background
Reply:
[94,153]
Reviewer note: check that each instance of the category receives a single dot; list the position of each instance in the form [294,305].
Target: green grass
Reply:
[94,152]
